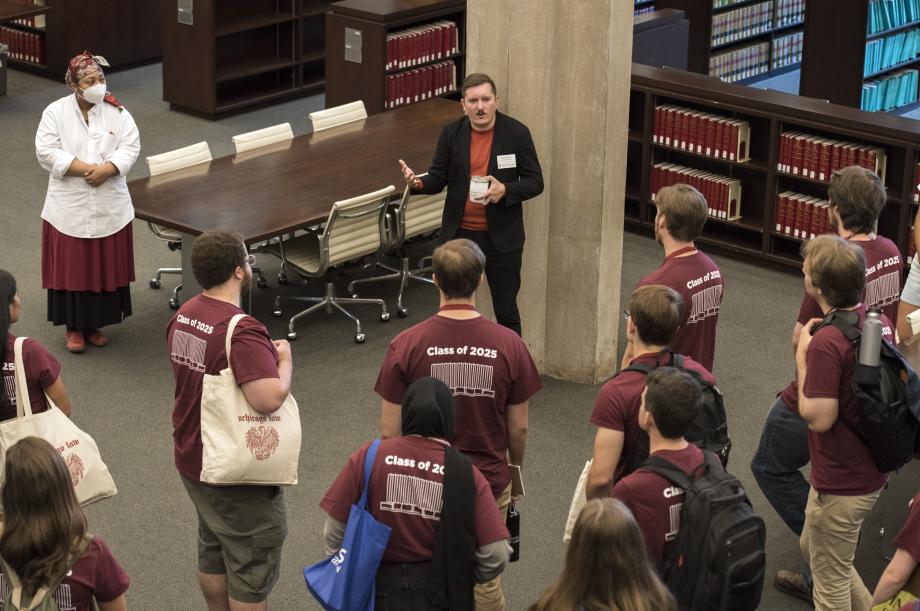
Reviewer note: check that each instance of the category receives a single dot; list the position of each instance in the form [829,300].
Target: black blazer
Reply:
[451,168]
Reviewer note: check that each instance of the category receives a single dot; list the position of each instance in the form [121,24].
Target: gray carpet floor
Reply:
[122,393]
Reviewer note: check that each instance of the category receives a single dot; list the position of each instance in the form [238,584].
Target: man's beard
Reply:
[246,286]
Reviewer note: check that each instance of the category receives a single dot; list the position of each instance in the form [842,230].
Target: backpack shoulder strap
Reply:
[845,321]
[667,470]
[638,367]
[16,590]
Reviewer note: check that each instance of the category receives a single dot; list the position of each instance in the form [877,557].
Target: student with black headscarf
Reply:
[447,533]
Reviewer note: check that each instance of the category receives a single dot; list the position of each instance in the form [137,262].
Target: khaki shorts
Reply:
[240,533]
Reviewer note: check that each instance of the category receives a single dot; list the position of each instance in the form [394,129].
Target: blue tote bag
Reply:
[345,581]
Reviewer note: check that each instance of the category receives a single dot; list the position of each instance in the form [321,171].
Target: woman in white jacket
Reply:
[87,142]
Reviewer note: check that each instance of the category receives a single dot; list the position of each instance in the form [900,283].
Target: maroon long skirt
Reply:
[87,279]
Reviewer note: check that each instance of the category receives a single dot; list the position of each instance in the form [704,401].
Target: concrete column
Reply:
[564,70]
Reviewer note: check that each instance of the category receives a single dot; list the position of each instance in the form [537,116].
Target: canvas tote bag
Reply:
[579,500]
[239,444]
[91,478]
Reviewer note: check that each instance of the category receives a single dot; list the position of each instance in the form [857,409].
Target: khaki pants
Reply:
[828,542]
[489,595]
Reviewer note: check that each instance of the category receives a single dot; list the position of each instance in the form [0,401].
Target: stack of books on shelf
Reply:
[892,91]
[883,53]
[643,6]
[787,50]
[814,157]
[723,194]
[789,12]
[741,63]
[24,46]
[800,216]
[423,44]
[701,133]
[741,23]
[420,84]
[888,14]
[717,4]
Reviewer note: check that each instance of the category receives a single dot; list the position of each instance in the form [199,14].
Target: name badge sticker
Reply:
[506,161]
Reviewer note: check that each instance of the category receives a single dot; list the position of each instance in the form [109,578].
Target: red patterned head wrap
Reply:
[80,66]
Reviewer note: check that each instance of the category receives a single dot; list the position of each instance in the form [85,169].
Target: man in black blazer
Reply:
[499,151]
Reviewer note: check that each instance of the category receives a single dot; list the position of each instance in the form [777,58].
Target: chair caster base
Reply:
[402,312]
[154,283]
[262,282]
[282,279]
[174,303]
[359,338]
[385,316]
[292,336]
[276,313]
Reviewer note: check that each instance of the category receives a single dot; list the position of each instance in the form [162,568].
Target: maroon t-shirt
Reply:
[617,405]
[698,280]
[96,574]
[908,538]
[790,394]
[841,464]
[656,502]
[42,370]
[884,270]
[405,493]
[486,366]
[195,338]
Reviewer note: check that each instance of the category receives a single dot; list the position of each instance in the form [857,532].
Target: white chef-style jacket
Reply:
[72,206]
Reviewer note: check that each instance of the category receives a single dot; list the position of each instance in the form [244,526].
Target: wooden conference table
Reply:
[270,192]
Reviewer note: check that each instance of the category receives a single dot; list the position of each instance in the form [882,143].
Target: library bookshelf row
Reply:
[126,33]
[762,158]
[744,38]
[410,51]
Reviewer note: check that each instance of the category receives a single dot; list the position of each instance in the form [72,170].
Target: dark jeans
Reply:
[503,271]
[782,452]
[400,586]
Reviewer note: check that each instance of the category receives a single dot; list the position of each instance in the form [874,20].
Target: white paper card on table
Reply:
[506,161]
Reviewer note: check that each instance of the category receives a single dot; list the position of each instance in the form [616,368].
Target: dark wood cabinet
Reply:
[239,54]
[833,60]
[374,20]
[125,32]
[770,114]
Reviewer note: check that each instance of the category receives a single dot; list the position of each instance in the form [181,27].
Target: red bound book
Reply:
[861,159]
[810,158]
[809,219]
[789,218]
[916,184]
[700,141]
[670,118]
[798,154]
[824,161]
[692,131]
[708,128]
[34,44]
[680,123]
[836,157]
[658,125]
[723,195]
[736,136]
[726,141]
[796,211]
[389,64]
[779,211]
[783,152]
[850,152]
[431,50]
[872,159]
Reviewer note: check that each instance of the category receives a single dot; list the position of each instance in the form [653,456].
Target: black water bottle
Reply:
[513,523]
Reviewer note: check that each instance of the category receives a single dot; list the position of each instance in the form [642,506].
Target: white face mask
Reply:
[94,94]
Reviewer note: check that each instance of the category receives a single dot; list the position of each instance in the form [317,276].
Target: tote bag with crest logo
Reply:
[91,478]
[239,444]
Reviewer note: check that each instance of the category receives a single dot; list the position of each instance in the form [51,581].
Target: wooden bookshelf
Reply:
[240,54]
[375,19]
[770,114]
[833,59]
[701,45]
[126,33]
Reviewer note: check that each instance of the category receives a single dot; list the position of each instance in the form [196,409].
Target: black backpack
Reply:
[888,398]
[709,431]
[718,560]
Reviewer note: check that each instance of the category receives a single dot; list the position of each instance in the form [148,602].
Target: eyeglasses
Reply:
[251,260]
[625,314]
